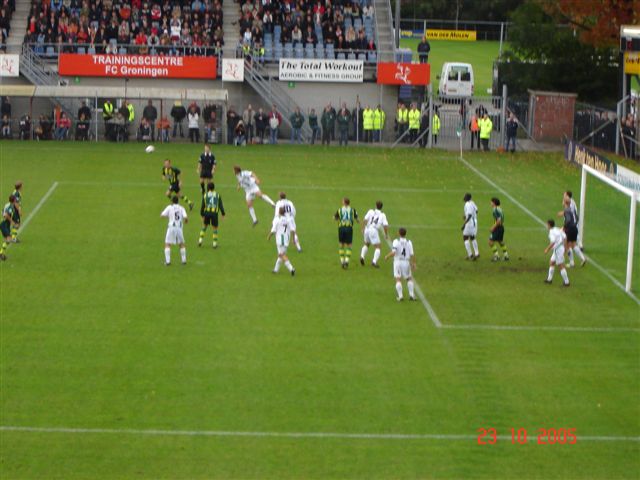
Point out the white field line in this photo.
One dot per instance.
(357, 436)
(542, 223)
(456, 227)
(160, 184)
(543, 328)
(38, 206)
(425, 303)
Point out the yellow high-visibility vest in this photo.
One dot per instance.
(414, 119)
(486, 125)
(367, 119)
(435, 124)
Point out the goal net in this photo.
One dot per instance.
(607, 226)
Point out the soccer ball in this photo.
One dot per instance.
(150, 149)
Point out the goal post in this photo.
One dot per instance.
(634, 199)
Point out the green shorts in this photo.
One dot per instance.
(497, 235)
(5, 228)
(345, 235)
(210, 219)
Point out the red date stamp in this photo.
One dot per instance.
(520, 436)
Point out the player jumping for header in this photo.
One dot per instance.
(249, 182)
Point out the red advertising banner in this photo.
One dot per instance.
(136, 66)
(392, 73)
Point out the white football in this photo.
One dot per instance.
(150, 149)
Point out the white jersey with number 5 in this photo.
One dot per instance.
(176, 214)
(403, 251)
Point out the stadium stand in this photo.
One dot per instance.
(276, 29)
(170, 27)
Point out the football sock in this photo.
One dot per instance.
(579, 252)
(565, 276)
(183, 255)
(467, 245)
(550, 276)
(347, 255)
(14, 233)
(570, 255)
(376, 256)
(364, 251)
(297, 241)
(399, 289)
(474, 242)
(252, 212)
(204, 229)
(341, 253)
(3, 248)
(288, 265)
(215, 236)
(504, 250)
(186, 199)
(167, 255)
(495, 250)
(202, 187)
(278, 263)
(410, 288)
(268, 200)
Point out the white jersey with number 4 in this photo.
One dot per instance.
(281, 227)
(176, 215)
(403, 251)
(375, 220)
(557, 237)
(471, 227)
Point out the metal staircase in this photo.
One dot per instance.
(39, 73)
(271, 92)
(384, 30)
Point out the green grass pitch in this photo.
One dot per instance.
(480, 54)
(129, 369)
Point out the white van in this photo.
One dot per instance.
(456, 80)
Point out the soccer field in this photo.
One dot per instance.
(115, 366)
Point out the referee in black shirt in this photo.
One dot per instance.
(206, 166)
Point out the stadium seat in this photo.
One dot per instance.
(288, 51)
(91, 50)
(122, 51)
(373, 57)
(341, 56)
(50, 52)
(309, 54)
(351, 56)
(82, 50)
(357, 24)
(362, 56)
(347, 23)
(299, 53)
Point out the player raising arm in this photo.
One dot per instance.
(404, 260)
(557, 239)
(177, 216)
(282, 227)
(249, 182)
(172, 175)
(289, 211)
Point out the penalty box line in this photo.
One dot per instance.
(544, 224)
(303, 435)
(37, 208)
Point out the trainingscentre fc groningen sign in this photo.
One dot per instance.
(347, 71)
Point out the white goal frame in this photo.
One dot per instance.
(635, 198)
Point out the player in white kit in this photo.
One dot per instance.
(470, 228)
(289, 211)
(282, 227)
(374, 221)
(403, 261)
(557, 239)
(177, 216)
(249, 182)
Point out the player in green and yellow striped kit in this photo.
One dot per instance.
(497, 231)
(17, 212)
(5, 225)
(211, 206)
(172, 175)
(345, 216)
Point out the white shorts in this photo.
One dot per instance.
(250, 193)
(470, 230)
(282, 249)
(557, 256)
(402, 269)
(372, 236)
(174, 236)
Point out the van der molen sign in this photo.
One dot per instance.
(293, 70)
